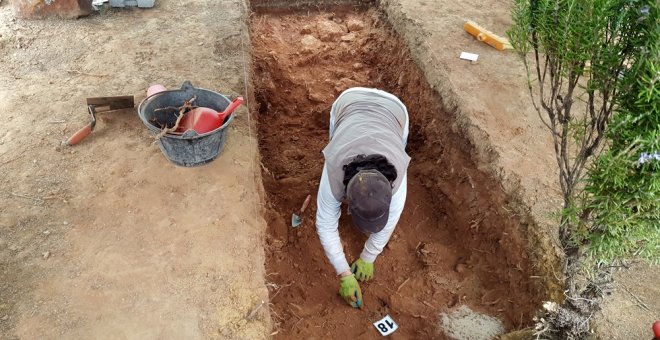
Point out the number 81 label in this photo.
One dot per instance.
(386, 325)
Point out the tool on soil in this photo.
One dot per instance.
(98, 105)
(487, 36)
(297, 220)
(204, 119)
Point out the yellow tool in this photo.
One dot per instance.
(487, 36)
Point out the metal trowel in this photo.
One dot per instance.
(296, 220)
(97, 105)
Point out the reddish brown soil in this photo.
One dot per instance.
(455, 244)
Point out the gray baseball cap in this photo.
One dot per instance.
(369, 194)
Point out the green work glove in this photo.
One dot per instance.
(349, 289)
(364, 271)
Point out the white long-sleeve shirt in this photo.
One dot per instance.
(362, 121)
(327, 224)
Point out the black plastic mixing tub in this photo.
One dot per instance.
(189, 149)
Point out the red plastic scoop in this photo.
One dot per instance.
(204, 119)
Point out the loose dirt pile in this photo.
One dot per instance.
(454, 245)
(465, 324)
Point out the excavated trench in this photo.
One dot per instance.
(455, 243)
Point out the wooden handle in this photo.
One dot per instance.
(79, 135)
(305, 204)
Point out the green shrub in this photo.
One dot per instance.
(586, 60)
(622, 201)
(594, 81)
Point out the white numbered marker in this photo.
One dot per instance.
(386, 325)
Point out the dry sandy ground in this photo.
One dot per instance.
(137, 248)
(110, 240)
(512, 142)
(634, 305)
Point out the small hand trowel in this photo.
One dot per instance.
(97, 105)
(297, 220)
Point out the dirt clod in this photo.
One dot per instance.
(307, 29)
(354, 24)
(329, 30)
(310, 44)
(459, 268)
(348, 37)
